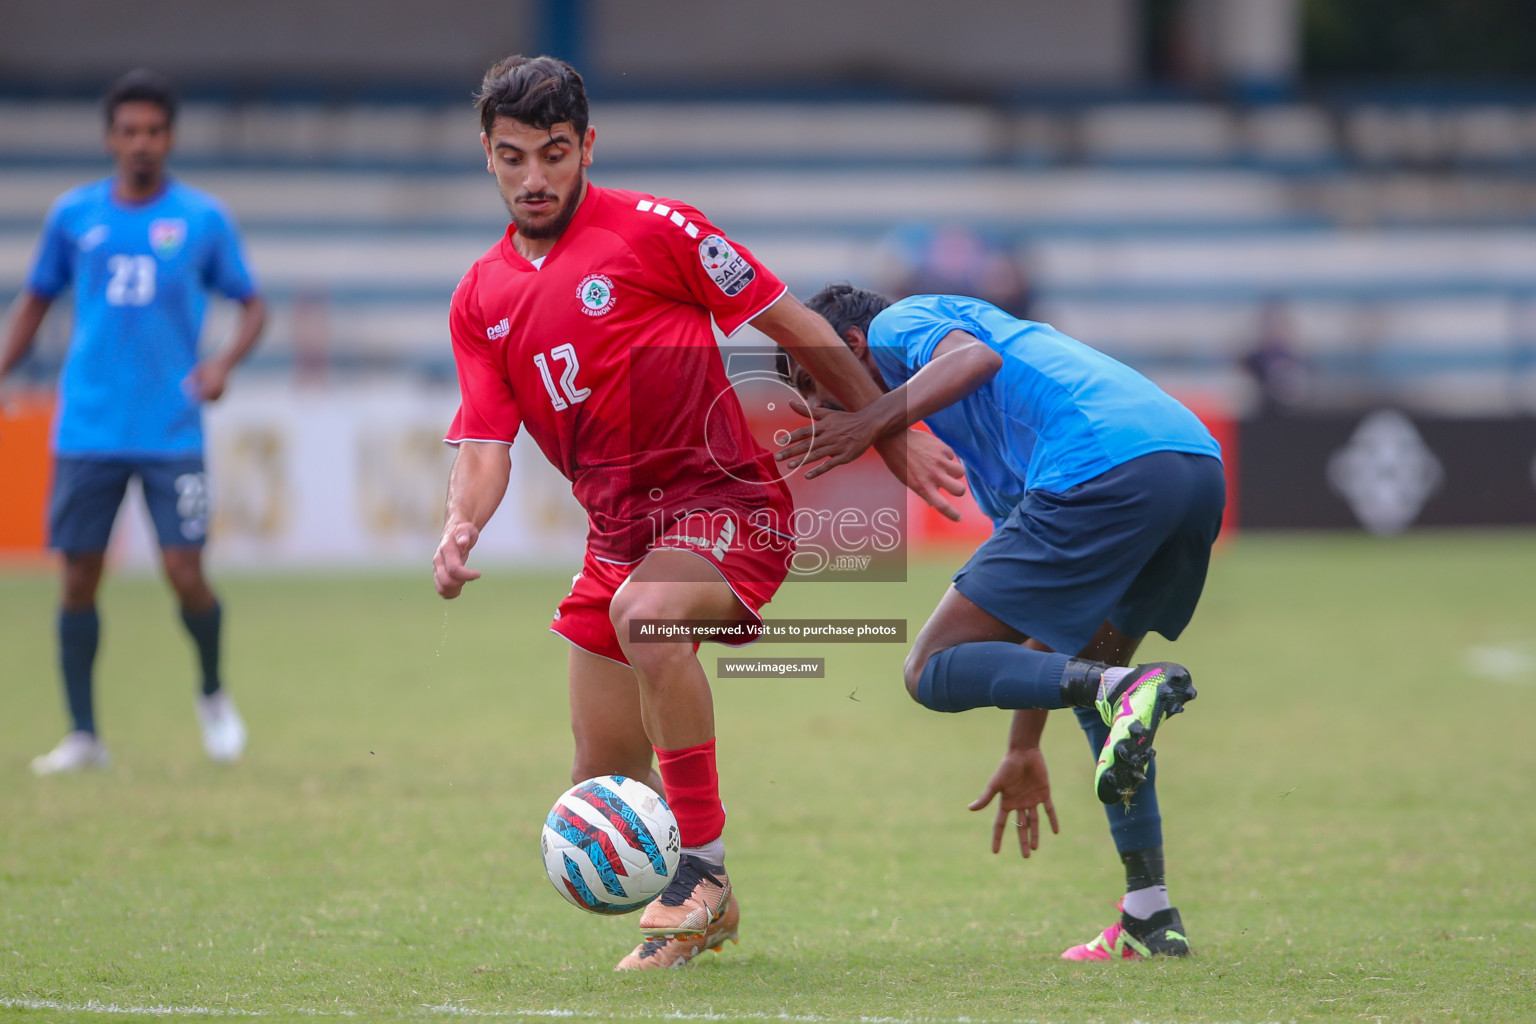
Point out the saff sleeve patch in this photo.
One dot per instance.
(724, 265)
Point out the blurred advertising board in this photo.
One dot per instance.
(24, 469)
(356, 475)
(1386, 471)
(353, 476)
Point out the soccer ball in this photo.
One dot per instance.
(610, 845)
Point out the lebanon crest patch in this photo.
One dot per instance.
(596, 294)
(724, 265)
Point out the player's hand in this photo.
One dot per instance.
(207, 380)
(1021, 785)
(834, 438)
(927, 466)
(448, 569)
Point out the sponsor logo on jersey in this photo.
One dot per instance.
(717, 546)
(498, 330)
(166, 237)
(727, 534)
(596, 294)
(94, 237)
(724, 265)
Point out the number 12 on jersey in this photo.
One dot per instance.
(572, 394)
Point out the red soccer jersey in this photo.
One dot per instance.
(605, 354)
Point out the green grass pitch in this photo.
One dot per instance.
(1348, 808)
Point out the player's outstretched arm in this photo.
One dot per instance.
(27, 314)
(960, 364)
(812, 343)
(209, 377)
(475, 488)
(920, 461)
(1021, 784)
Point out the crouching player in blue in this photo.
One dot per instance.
(1106, 495)
(141, 251)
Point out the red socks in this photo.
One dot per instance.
(693, 792)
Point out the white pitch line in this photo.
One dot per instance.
(1513, 662)
(451, 1010)
(791, 1018)
(95, 1006)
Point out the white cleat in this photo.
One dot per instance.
(223, 730)
(75, 752)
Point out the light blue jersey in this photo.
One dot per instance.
(141, 274)
(1057, 414)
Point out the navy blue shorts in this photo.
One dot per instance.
(87, 493)
(1131, 547)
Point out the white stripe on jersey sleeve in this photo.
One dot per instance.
(766, 307)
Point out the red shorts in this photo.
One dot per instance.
(754, 562)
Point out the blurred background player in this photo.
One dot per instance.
(943, 259)
(1279, 372)
(1106, 495)
(141, 250)
(588, 324)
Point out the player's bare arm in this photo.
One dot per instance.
(475, 489)
(812, 344)
(920, 461)
(27, 314)
(961, 363)
(1021, 784)
(209, 377)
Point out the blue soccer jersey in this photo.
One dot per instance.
(141, 274)
(1057, 414)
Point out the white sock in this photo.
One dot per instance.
(710, 853)
(1143, 903)
(1110, 680)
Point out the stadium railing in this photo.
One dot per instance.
(1159, 231)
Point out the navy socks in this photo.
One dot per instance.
(79, 635)
(204, 627)
(992, 675)
(1006, 675)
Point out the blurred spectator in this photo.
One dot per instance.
(1277, 369)
(923, 259)
(1368, 371)
(311, 336)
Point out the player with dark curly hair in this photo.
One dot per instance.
(588, 326)
(1106, 495)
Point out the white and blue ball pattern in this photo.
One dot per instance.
(610, 845)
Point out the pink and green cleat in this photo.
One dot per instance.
(1131, 938)
(1133, 710)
